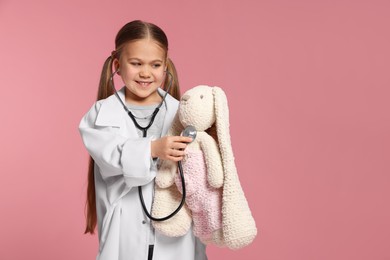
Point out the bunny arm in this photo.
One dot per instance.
(166, 174)
(213, 159)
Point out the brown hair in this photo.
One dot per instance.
(132, 31)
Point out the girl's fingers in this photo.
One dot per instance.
(176, 153)
(175, 146)
(182, 139)
(179, 146)
(179, 142)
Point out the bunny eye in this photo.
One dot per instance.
(201, 96)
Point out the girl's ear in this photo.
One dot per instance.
(117, 66)
(222, 125)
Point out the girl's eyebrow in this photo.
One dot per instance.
(137, 59)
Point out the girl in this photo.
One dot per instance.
(122, 159)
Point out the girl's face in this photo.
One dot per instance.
(141, 66)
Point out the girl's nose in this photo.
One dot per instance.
(144, 72)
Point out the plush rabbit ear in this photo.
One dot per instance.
(238, 225)
(222, 125)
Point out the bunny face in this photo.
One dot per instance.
(197, 108)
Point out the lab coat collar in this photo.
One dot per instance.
(111, 110)
(112, 113)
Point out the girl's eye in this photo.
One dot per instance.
(156, 65)
(135, 64)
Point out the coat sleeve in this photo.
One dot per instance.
(115, 154)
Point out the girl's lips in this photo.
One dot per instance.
(144, 83)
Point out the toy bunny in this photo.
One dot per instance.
(215, 201)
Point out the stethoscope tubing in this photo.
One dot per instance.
(144, 134)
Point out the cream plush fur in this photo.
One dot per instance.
(207, 110)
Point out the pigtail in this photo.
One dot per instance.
(105, 90)
(175, 89)
(90, 204)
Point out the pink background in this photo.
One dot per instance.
(308, 88)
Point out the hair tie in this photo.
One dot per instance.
(113, 54)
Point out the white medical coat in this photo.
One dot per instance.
(123, 162)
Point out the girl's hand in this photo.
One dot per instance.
(170, 147)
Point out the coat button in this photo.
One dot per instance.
(143, 222)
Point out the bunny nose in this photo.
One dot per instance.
(185, 97)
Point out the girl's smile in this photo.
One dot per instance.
(144, 83)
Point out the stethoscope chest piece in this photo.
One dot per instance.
(189, 131)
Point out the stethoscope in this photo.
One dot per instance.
(189, 131)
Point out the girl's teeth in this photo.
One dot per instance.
(144, 83)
